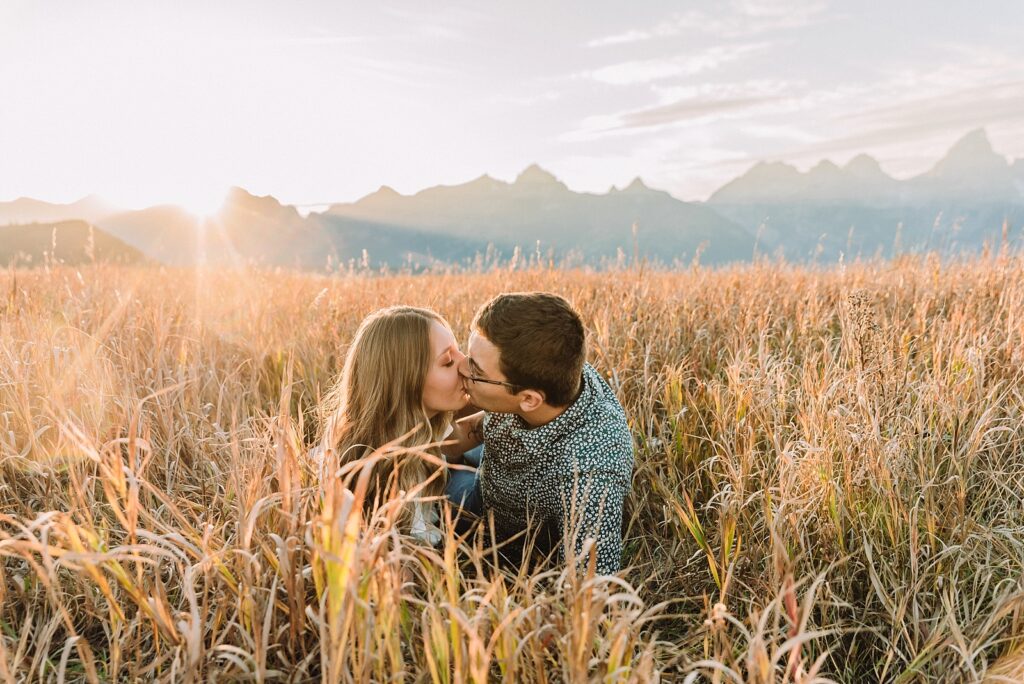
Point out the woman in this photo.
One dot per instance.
(400, 379)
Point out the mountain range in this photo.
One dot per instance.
(957, 205)
(538, 208)
(773, 208)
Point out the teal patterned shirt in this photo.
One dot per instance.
(570, 476)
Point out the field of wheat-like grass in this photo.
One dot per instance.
(829, 483)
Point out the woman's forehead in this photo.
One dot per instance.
(441, 338)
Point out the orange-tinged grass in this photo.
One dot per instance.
(829, 478)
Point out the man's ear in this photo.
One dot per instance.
(530, 400)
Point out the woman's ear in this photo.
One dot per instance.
(530, 400)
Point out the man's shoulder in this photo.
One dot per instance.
(601, 440)
(604, 415)
(599, 385)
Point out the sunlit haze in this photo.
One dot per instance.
(315, 102)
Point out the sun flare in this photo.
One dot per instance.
(203, 204)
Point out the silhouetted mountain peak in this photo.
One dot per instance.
(637, 186)
(30, 210)
(864, 166)
(237, 195)
(825, 166)
(969, 156)
(88, 200)
(765, 170)
(762, 180)
(486, 182)
(975, 142)
(240, 199)
(825, 172)
(535, 175)
(385, 194)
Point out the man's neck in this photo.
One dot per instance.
(546, 413)
(542, 415)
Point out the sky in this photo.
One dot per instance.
(325, 101)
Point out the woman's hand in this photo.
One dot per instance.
(468, 434)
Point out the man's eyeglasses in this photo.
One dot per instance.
(474, 378)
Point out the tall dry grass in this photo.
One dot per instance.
(829, 483)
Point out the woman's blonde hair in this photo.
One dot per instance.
(379, 399)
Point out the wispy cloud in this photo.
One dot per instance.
(797, 133)
(920, 118)
(888, 120)
(993, 101)
(907, 116)
(686, 104)
(685, 110)
(648, 70)
(739, 19)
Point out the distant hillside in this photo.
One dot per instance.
(68, 242)
(861, 180)
(27, 210)
(260, 230)
(858, 209)
(166, 234)
(538, 207)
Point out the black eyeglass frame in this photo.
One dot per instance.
(512, 388)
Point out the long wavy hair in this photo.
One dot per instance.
(379, 399)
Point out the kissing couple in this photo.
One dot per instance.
(547, 452)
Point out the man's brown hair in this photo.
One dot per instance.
(541, 342)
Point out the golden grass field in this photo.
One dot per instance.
(829, 483)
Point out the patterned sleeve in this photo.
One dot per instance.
(592, 509)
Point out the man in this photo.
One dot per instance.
(557, 451)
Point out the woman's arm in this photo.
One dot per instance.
(468, 433)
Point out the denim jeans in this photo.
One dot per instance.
(463, 488)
